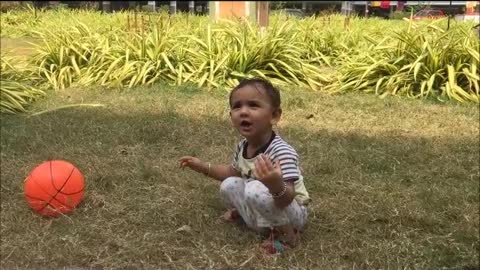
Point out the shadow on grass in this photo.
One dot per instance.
(383, 200)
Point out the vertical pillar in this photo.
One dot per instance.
(216, 9)
(304, 6)
(346, 7)
(106, 6)
(191, 6)
(173, 7)
(366, 8)
(152, 5)
(262, 13)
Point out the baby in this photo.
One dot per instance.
(263, 185)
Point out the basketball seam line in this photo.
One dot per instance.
(47, 202)
(41, 187)
(58, 190)
(40, 199)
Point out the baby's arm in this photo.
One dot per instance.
(289, 195)
(219, 172)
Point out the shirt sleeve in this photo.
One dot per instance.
(288, 160)
(290, 171)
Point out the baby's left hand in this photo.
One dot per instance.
(270, 175)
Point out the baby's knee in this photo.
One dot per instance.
(230, 184)
(255, 192)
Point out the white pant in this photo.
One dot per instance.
(255, 204)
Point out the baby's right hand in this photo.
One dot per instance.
(192, 162)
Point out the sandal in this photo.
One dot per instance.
(273, 245)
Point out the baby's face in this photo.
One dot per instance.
(251, 112)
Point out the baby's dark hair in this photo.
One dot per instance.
(269, 89)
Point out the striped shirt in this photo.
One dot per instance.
(276, 149)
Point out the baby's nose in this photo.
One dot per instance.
(244, 110)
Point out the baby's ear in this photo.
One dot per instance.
(277, 113)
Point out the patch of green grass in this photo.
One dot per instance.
(395, 182)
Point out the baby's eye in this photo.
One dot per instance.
(253, 104)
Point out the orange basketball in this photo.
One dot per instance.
(54, 187)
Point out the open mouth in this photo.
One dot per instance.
(245, 124)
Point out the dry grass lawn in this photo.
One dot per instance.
(395, 183)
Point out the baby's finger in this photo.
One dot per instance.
(278, 168)
(260, 167)
(277, 163)
(268, 163)
(185, 158)
(267, 166)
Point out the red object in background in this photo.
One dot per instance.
(385, 4)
